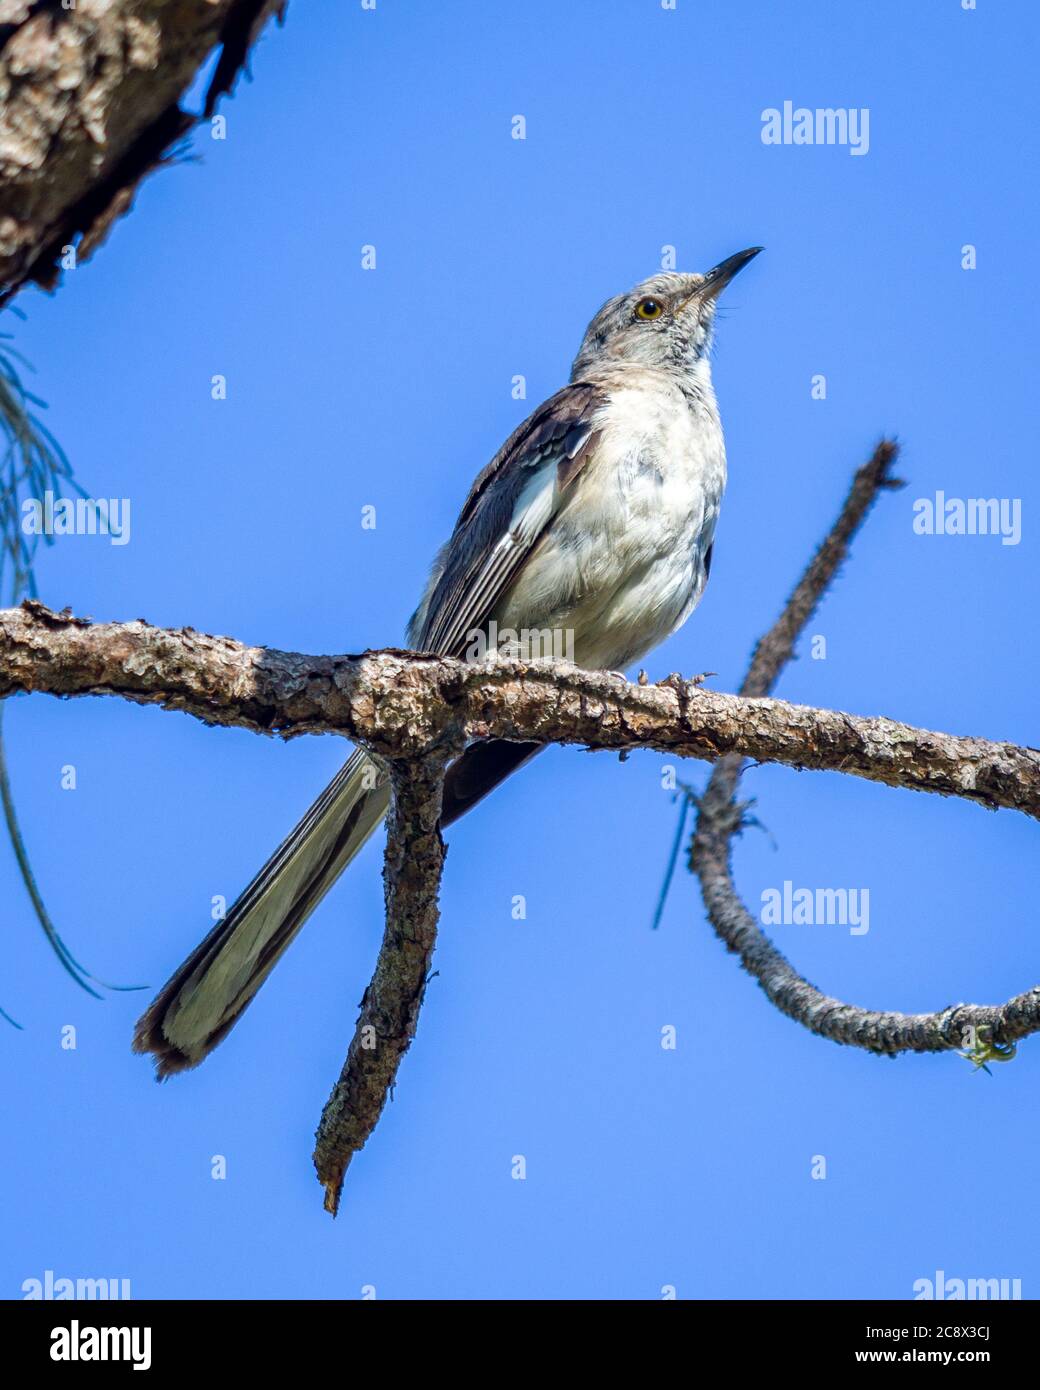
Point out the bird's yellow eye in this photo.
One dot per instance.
(649, 309)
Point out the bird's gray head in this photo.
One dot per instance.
(667, 321)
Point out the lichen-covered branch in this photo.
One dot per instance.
(972, 1026)
(416, 711)
(90, 104)
(391, 1004)
(399, 704)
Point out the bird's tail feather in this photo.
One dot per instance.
(204, 997)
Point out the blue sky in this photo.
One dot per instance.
(349, 388)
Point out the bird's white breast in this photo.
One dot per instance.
(622, 564)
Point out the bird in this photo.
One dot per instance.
(595, 519)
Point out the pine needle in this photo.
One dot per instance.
(32, 463)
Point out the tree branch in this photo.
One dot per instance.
(720, 817)
(399, 704)
(89, 106)
(391, 1003)
(416, 711)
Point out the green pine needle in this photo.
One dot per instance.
(32, 463)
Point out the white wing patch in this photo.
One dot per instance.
(531, 515)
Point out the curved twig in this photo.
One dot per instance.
(972, 1026)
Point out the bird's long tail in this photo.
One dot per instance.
(205, 996)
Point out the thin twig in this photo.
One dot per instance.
(720, 817)
(673, 859)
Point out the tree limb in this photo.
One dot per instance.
(416, 711)
(90, 105)
(391, 1003)
(400, 705)
(720, 817)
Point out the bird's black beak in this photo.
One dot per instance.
(719, 276)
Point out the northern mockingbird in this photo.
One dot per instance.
(596, 518)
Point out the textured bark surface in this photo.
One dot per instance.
(391, 1004)
(90, 104)
(971, 1026)
(402, 705)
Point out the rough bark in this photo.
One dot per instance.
(90, 104)
(391, 1003)
(401, 705)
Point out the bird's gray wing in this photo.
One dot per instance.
(510, 505)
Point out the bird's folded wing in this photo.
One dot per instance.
(510, 505)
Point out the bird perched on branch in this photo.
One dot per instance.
(596, 519)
